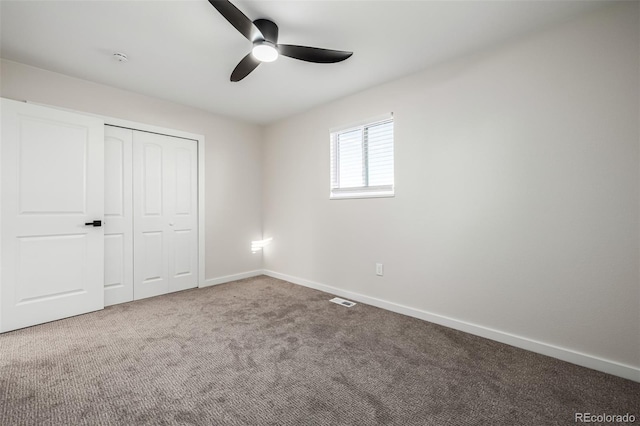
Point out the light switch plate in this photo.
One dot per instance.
(379, 269)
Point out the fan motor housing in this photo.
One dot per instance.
(268, 28)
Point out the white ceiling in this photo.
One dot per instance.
(184, 51)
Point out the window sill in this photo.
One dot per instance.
(356, 195)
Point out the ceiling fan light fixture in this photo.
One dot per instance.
(265, 51)
(263, 33)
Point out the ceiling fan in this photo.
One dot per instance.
(263, 33)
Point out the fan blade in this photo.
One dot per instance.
(313, 54)
(246, 65)
(238, 19)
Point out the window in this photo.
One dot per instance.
(362, 160)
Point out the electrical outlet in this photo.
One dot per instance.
(379, 269)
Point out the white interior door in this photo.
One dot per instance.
(165, 214)
(52, 183)
(182, 201)
(118, 215)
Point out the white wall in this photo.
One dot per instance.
(517, 200)
(233, 154)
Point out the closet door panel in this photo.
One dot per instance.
(183, 208)
(118, 225)
(150, 241)
(165, 214)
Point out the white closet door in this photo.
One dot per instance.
(182, 203)
(52, 184)
(118, 213)
(165, 214)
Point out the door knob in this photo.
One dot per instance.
(94, 223)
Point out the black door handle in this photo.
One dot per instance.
(94, 223)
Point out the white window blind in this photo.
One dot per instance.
(362, 160)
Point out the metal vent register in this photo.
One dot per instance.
(342, 302)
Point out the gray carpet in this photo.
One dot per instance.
(266, 352)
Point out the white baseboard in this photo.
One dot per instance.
(228, 278)
(564, 354)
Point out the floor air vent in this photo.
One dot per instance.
(342, 302)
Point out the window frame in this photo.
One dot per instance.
(365, 191)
